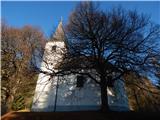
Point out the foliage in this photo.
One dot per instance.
(142, 94)
(18, 103)
(17, 51)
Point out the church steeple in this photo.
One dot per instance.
(59, 34)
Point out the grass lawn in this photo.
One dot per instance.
(85, 115)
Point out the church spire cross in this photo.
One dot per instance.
(61, 19)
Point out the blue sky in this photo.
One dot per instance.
(46, 15)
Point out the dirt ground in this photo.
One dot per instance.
(86, 115)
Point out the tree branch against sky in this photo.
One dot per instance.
(113, 42)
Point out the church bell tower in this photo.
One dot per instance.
(53, 56)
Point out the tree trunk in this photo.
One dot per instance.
(104, 96)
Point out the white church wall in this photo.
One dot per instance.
(71, 98)
(119, 100)
(41, 92)
(45, 85)
(51, 58)
(75, 98)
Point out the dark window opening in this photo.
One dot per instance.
(80, 81)
(110, 81)
(54, 48)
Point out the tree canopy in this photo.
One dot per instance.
(17, 51)
(113, 42)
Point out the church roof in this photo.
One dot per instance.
(59, 34)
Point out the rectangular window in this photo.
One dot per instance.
(110, 81)
(54, 48)
(80, 81)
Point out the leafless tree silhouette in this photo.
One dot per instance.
(112, 43)
(108, 45)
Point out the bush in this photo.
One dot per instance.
(18, 103)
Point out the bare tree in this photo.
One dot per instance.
(112, 42)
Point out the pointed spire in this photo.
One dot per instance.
(59, 34)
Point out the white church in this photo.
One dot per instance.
(72, 92)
